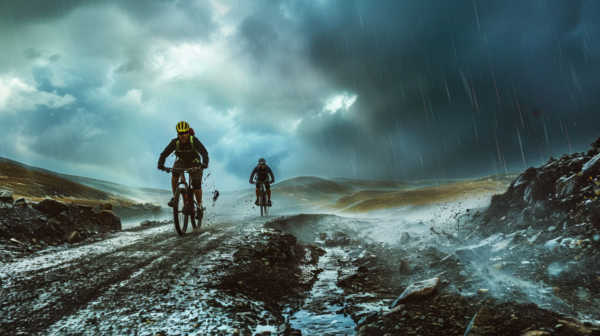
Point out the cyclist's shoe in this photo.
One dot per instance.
(269, 203)
(199, 213)
(171, 202)
(256, 203)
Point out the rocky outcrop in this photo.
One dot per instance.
(563, 190)
(54, 222)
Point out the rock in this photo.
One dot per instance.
(261, 248)
(106, 206)
(343, 281)
(109, 220)
(596, 144)
(591, 167)
(243, 253)
(418, 291)
(480, 322)
(567, 185)
(21, 202)
(6, 196)
(147, 223)
(75, 237)
(50, 207)
(536, 333)
(322, 236)
(404, 238)
(329, 242)
(370, 330)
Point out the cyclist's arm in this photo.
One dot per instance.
(253, 173)
(168, 151)
(270, 172)
(201, 150)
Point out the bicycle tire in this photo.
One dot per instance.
(263, 204)
(179, 216)
(193, 215)
(197, 224)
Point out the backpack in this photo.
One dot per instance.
(192, 133)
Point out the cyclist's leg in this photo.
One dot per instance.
(197, 184)
(175, 179)
(268, 189)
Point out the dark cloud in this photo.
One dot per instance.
(439, 88)
(434, 72)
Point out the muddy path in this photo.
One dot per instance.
(98, 286)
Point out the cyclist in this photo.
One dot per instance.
(186, 148)
(261, 172)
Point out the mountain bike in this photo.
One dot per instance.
(184, 207)
(262, 198)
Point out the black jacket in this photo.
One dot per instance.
(185, 152)
(261, 174)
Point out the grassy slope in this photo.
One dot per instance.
(38, 185)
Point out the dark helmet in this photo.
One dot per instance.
(262, 161)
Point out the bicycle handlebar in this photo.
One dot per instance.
(182, 170)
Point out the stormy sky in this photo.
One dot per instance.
(413, 89)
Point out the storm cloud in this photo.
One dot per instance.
(362, 89)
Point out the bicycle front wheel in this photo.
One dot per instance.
(180, 215)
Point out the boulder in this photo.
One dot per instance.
(21, 202)
(404, 238)
(567, 185)
(75, 237)
(591, 167)
(106, 206)
(418, 291)
(109, 220)
(6, 196)
(50, 207)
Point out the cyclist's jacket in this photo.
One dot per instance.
(261, 174)
(187, 152)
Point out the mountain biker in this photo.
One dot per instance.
(261, 171)
(186, 148)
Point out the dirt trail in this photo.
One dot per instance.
(118, 275)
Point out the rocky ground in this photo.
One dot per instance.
(527, 265)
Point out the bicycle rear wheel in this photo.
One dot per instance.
(179, 214)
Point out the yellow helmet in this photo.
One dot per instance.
(182, 126)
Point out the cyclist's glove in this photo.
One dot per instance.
(161, 167)
(204, 165)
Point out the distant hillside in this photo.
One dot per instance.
(37, 183)
(351, 195)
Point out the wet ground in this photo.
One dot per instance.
(242, 274)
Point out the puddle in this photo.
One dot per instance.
(318, 314)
